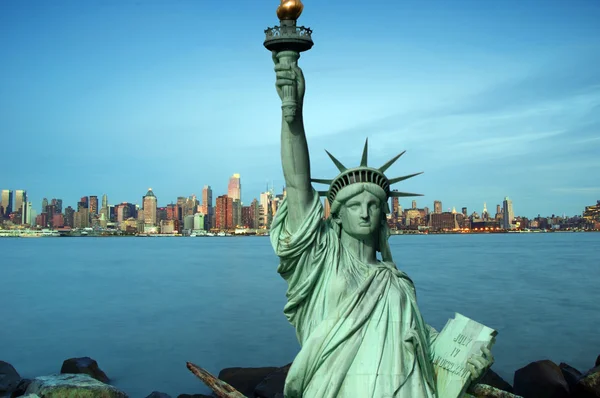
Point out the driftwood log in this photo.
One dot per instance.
(224, 390)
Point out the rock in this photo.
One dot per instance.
(589, 384)
(541, 379)
(273, 384)
(72, 385)
(9, 378)
(157, 394)
(492, 378)
(597, 361)
(21, 388)
(570, 374)
(194, 396)
(245, 379)
(84, 365)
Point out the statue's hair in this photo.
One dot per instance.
(351, 191)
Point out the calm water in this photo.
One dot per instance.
(143, 307)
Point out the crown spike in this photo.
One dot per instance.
(321, 181)
(390, 162)
(396, 194)
(363, 161)
(398, 179)
(338, 164)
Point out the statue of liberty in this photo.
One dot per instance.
(356, 316)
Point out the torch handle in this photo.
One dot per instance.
(289, 102)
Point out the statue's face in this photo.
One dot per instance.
(361, 215)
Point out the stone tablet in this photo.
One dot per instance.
(460, 339)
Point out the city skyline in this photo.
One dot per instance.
(489, 100)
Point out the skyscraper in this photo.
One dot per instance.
(508, 214)
(93, 205)
(414, 204)
(20, 199)
(234, 189)
(149, 206)
(44, 204)
(437, 207)
(7, 201)
(26, 213)
(104, 201)
(206, 207)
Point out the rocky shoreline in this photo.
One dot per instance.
(83, 378)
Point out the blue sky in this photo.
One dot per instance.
(490, 99)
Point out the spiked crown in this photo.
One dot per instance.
(363, 173)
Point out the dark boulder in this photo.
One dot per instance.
(21, 388)
(541, 379)
(9, 378)
(597, 361)
(84, 365)
(589, 384)
(273, 384)
(245, 379)
(493, 379)
(157, 394)
(570, 374)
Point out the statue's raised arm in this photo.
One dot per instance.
(295, 160)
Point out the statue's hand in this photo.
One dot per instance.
(289, 75)
(478, 364)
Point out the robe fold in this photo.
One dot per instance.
(359, 327)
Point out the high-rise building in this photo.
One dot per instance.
(414, 204)
(20, 200)
(464, 212)
(234, 189)
(69, 220)
(224, 212)
(85, 201)
(437, 207)
(206, 207)
(104, 201)
(93, 205)
(265, 210)
(255, 214)
(26, 213)
(395, 206)
(508, 214)
(149, 206)
(237, 212)
(7, 201)
(44, 204)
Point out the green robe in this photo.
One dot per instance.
(359, 327)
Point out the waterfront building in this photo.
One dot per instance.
(508, 214)
(58, 220)
(104, 201)
(464, 212)
(206, 206)
(7, 201)
(26, 213)
(20, 200)
(44, 204)
(69, 220)
(224, 213)
(437, 206)
(198, 222)
(592, 213)
(149, 208)
(172, 212)
(234, 188)
(93, 205)
(188, 223)
(265, 210)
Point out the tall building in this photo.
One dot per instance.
(414, 204)
(508, 214)
(69, 220)
(149, 206)
(26, 213)
(20, 200)
(206, 207)
(224, 212)
(464, 211)
(237, 212)
(234, 189)
(105, 201)
(7, 201)
(255, 214)
(44, 204)
(85, 202)
(265, 210)
(437, 207)
(93, 205)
